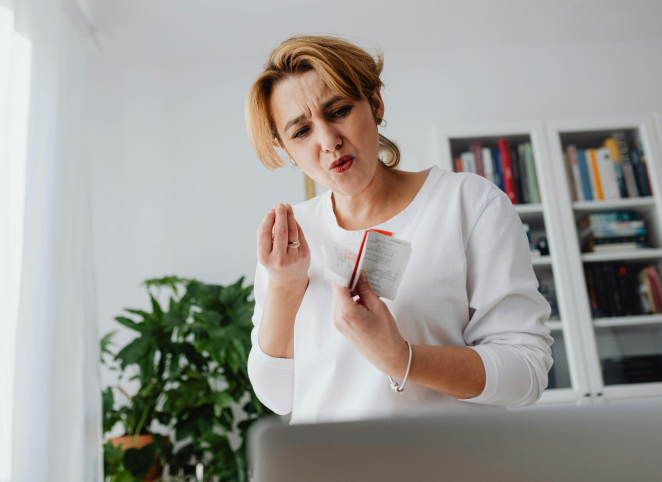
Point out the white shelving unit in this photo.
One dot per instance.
(581, 342)
(605, 338)
(570, 370)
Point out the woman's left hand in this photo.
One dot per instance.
(368, 324)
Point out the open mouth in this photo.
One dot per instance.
(342, 164)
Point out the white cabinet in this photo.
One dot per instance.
(583, 345)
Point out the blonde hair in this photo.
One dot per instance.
(348, 70)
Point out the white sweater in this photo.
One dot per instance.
(469, 282)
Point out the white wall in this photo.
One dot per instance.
(176, 188)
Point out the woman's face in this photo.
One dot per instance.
(334, 140)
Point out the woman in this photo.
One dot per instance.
(467, 324)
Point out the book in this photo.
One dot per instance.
(488, 164)
(517, 177)
(583, 170)
(572, 174)
(597, 182)
(648, 180)
(593, 298)
(656, 288)
(639, 172)
(616, 228)
(612, 145)
(507, 169)
(477, 151)
(458, 164)
(597, 219)
(522, 169)
(383, 258)
(607, 173)
(498, 172)
(622, 280)
(624, 152)
(468, 162)
(532, 178)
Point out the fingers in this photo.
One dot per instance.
(341, 296)
(280, 229)
(364, 291)
(292, 232)
(305, 250)
(264, 242)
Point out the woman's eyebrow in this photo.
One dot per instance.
(302, 117)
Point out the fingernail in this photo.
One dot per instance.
(280, 205)
(363, 276)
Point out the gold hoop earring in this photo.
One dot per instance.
(381, 122)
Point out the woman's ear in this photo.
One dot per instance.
(378, 104)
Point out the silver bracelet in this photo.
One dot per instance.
(399, 388)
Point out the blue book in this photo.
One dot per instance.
(498, 172)
(639, 173)
(583, 172)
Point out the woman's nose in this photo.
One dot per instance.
(330, 139)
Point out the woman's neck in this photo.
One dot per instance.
(389, 192)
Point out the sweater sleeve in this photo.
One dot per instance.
(507, 313)
(272, 378)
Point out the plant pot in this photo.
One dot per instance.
(127, 443)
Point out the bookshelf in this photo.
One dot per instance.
(606, 340)
(446, 143)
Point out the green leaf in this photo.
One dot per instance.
(139, 461)
(129, 323)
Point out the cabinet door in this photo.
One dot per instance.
(612, 242)
(568, 381)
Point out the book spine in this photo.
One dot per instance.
(576, 174)
(612, 145)
(624, 152)
(603, 171)
(648, 180)
(498, 171)
(583, 169)
(517, 177)
(532, 178)
(610, 167)
(468, 162)
(488, 163)
(612, 290)
(523, 174)
(596, 174)
(507, 166)
(458, 164)
(590, 285)
(478, 156)
(603, 302)
(622, 278)
(647, 302)
(656, 288)
(639, 173)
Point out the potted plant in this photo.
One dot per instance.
(191, 364)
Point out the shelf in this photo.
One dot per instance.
(528, 208)
(541, 260)
(610, 204)
(626, 321)
(555, 325)
(639, 254)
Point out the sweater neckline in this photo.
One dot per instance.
(393, 224)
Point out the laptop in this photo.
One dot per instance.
(584, 444)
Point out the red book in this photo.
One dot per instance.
(507, 166)
(458, 164)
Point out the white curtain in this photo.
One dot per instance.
(56, 432)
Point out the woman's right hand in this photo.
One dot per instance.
(287, 266)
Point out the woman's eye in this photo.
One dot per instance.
(342, 112)
(300, 133)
